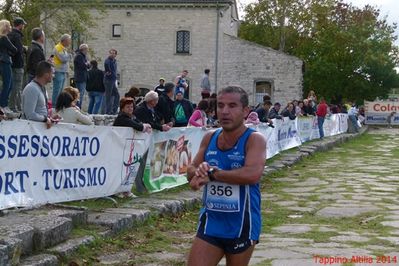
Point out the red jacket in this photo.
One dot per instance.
(322, 109)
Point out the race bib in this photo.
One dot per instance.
(222, 197)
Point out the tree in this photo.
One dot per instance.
(348, 52)
(55, 17)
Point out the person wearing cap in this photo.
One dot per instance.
(16, 36)
(61, 60)
(146, 112)
(160, 88)
(126, 118)
(183, 110)
(80, 67)
(6, 49)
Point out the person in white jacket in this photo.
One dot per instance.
(68, 112)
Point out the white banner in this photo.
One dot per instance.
(72, 162)
(381, 113)
(67, 162)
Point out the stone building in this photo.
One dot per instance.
(160, 38)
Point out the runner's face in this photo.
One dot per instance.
(230, 111)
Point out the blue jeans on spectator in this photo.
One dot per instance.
(58, 85)
(111, 97)
(320, 122)
(6, 73)
(96, 99)
(353, 119)
(81, 86)
(15, 103)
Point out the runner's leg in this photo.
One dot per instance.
(240, 259)
(204, 254)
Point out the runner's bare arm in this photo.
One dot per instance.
(199, 157)
(254, 165)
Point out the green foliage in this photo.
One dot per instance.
(348, 52)
(55, 17)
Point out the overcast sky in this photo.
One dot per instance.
(388, 8)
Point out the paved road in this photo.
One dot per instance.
(341, 206)
(346, 208)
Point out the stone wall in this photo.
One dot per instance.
(148, 44)
(244, 63)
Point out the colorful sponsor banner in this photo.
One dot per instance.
(381, 113)
(72, 162)
(381, 107)
(67, 162)
(169, 155)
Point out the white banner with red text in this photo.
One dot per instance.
(381, 113)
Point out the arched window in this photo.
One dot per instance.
(183, 42)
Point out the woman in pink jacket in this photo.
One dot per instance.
(198, 118)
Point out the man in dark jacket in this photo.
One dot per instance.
(17, 66)
(146, 112)
(166, 104)
(263, 112)
(35, 52)
(95, 88)
(81, 65)
(273, 113)
(110, 79)
(183, 110)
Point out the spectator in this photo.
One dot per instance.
(181, 84)
(198, 118)
(312, 98)
(205, 85)
(263, 112)
(165, 104)
(95, 88)
(289, 111)
(68, 112)
(252, 118)
(2, 114)
(74, 92)
(183, 110)
(135, 94)
(307, 108)
(321, 114)
(16, 36)
(160, 87)
(274, 112)
(210, 115)
(352, 115)
(146, 113)
(110, 79)
(34, 95)
(61, 60)
(80, 67)
(126, 118)
(6, 49)
(299, 109)
(35, 52)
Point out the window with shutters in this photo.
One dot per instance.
(183, 42)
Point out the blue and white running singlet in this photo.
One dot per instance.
(230, 211)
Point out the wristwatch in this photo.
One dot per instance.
(211, 173)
